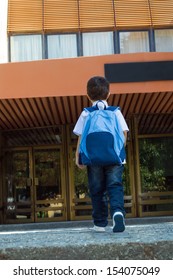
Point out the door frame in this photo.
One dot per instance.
(57, 204)
(33, 202)
(5, 194)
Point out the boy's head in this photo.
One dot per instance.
(98, 88)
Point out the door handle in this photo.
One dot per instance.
(36, 181)
(29, 182)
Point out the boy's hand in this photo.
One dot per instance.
(77, 155)
(78, 164)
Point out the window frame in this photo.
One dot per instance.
(136, 30)
(59, 34)
(25, 34)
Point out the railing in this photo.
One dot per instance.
(82, 208)
(155, 203)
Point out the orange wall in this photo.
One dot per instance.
(68, 77)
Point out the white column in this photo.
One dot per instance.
(3, 31)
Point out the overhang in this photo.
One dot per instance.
(67, 77)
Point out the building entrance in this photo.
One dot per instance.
(33, 183)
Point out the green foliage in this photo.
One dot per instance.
(80, 181)
(152, 156)
(126, 180)
(152, 181)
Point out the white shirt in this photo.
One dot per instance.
(81, 120)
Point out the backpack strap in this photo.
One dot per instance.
(113, 108)
(93, 108)
(90, 109)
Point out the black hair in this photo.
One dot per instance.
(98, 88)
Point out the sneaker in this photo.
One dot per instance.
(118, 222)
(98, 229)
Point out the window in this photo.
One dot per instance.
(134, 42)
(26, 47)
(156, 161)
(98, 43)
(164, 40)
(61, 46)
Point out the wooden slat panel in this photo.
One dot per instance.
(85, 102)
(20, 114)
(123, 103)
(29, 111)
(167, 102)
(66, 107)
(44, 105)
(127, 105)
(132, 13)
(115, 100)
(54, 110)
(60, 15)
(73, 109)
(79, 105)
(5, 122)
(155, 123)
(167, 123)
(11, 114)
(51, 116)
(152, 99)
(159, 105)
(132, 105)
(96, 14)
(42, 111)
(36, 112)
(138, 106)
(162, 12)
(24, 112)
(60, 110)
(25, 16)
(163, 121)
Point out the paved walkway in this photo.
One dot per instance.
(150, 238)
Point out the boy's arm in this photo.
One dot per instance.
(125, 137)
(77, 155)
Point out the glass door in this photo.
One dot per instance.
(34, 185)
(48, 182)
(18, 186)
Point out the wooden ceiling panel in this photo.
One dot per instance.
(167, 103)
(139, 105)
(29, 113)
(133, 103)
(155, 124)
(10, 114)
(42, 111)
(36, 114)
(73, 105)
(66, 109)
(148, 102)
(22, 116)
(53, 110)
(59, 110)
(159, 103)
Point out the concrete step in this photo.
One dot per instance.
(146, 238)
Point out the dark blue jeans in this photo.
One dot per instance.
(105, 182)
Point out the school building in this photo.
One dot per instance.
(48, 51)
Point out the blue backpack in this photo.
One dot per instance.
(102, 139)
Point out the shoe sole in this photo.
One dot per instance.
(118, 223)
(99, 229)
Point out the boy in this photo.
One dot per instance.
(103, 180)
